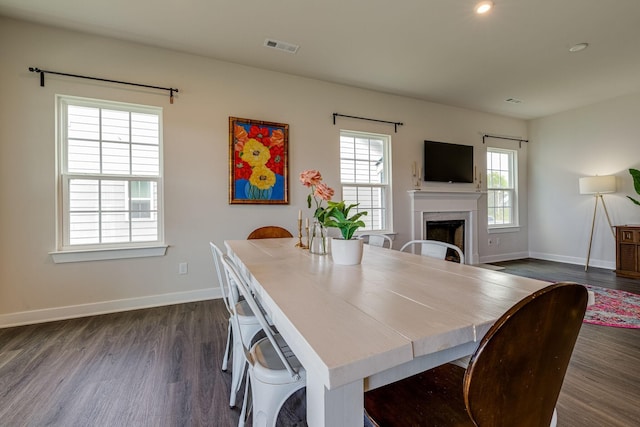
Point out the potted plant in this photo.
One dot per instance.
(635, 173)
(345, 250)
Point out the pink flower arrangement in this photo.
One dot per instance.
(319, 191)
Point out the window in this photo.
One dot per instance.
(365, 176)
(110, 174)
(501, 187)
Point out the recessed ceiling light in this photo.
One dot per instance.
(578, 47)
(484, 7)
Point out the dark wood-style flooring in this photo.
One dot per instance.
(161, 366)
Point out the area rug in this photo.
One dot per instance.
(613, 307)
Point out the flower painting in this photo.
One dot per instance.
(258, 162)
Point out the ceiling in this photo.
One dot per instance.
(435, 50)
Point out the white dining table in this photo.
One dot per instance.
(358, 327)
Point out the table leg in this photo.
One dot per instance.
(342, 406)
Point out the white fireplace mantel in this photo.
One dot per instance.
(463, 204)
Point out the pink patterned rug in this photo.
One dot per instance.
(615, 308)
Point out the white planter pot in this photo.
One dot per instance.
(346, 252)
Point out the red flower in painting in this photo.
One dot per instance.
(242, 169)
(277, 137)
(260, 134)
(276, 162)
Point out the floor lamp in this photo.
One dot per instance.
(597, 185)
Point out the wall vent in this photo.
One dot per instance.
(283, 46)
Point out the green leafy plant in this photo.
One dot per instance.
(337, 215)
(635, 173)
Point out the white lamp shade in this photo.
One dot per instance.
(598, 184)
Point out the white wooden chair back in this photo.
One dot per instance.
(229, 290)
(434, 248)
(243, 288)
(381, 240)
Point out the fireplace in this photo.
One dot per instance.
(449, 231)
(457, 214)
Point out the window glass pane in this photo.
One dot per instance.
(83, 195)
(145, 229)
(84, 228)
(113, 195)
(145, 128)
(115, 227)
(115, 125)
(140, 189)
(145, 160)
(83, 123)
(83, 156)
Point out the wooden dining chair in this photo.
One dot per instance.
(269, 232)
(242, 324)
(274, 372)
(381, 240)
(513, 379)
(434, 249)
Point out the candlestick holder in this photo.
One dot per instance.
(300, 244)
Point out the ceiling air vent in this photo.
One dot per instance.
(283, 46)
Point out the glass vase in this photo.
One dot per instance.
(318, 240)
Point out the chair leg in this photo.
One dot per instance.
(247, 397)
(225, 359)
(237, 371)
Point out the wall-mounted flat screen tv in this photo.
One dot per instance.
(445, 162)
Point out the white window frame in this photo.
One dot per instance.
(386, 187)
(512, 190)
(67, 252)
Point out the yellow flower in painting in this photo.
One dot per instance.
(262, 177)
(255, 153)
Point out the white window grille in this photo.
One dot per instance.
(365, 176)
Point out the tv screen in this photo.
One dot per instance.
(444, 162)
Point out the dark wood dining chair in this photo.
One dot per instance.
(513, 379)
(269, 232)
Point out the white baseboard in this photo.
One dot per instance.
(599, 263)
(548, 257)
(503, 257)
(104, 307)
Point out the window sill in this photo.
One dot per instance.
(60, 257)
(505, 229)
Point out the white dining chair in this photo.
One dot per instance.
(274, 372)
(434, 248)
(242, 325)
(381, 240)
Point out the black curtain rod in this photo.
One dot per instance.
(520, 140)
(42, 73)
(395, 124)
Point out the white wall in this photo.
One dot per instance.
(601, 139)
(32, 288)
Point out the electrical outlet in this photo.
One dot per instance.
(183, 268)
(497, 241)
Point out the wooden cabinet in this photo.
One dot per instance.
(628, 251)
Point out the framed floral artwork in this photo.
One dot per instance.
(258, 162)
